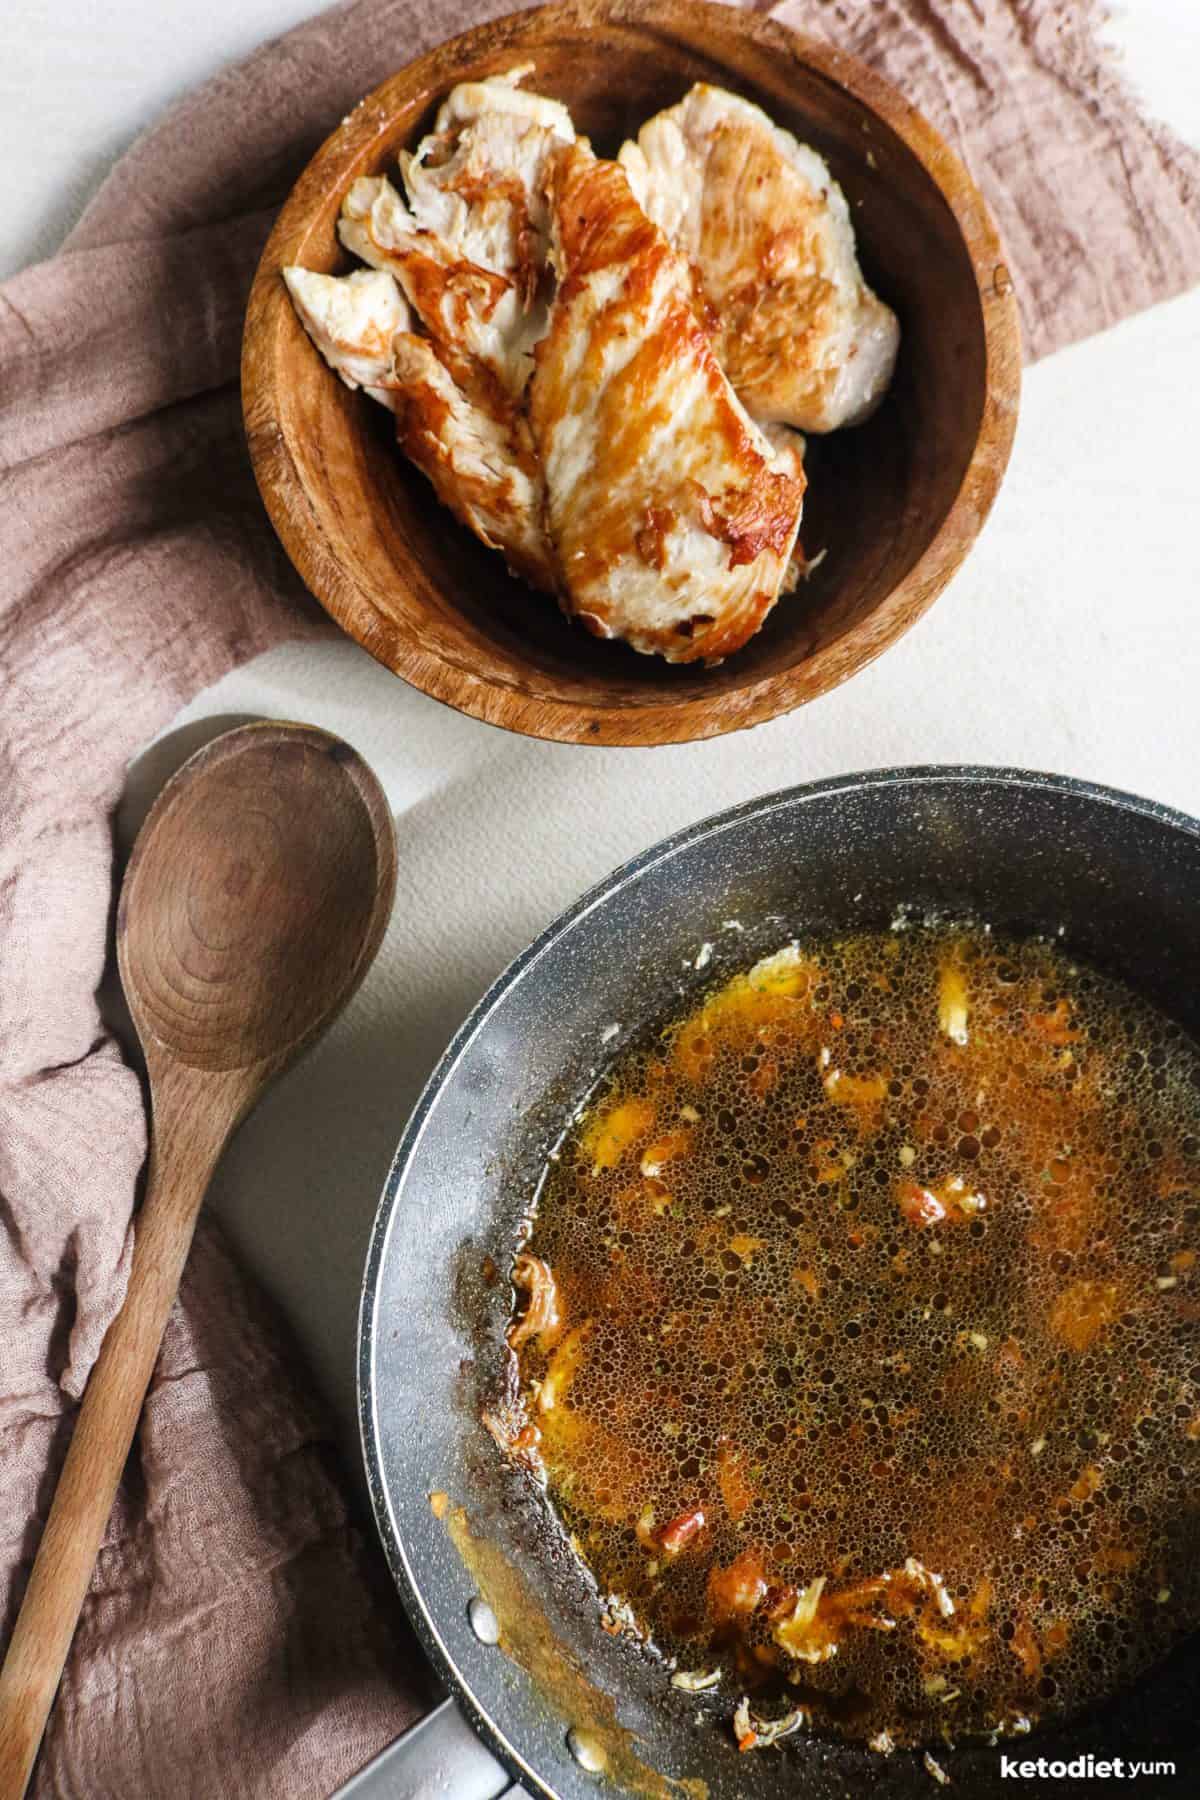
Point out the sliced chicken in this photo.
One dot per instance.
(478, 180)
(482, 467)
(479, 456)
(469, 250)
(476, 317)
(468, 259)
(627, 478)
(672, 516)
(352, 319)
(801, 336)
(504, 95)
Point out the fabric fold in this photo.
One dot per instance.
(95, 339)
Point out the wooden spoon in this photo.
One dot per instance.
(253, 905)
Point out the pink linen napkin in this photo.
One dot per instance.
(241, 1636)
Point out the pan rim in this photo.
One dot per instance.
(924, 775)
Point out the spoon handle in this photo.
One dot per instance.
(87, 1486)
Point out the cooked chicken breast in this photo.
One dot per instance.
(476, 317)
(797, 330)
(483, 467)
(478, 180)
(467, 259)
(672, 517)
(469, 250)
(352, 319)
(625, 476)
(787, 450)
(462, 419)
(481, 462)
(505, 95)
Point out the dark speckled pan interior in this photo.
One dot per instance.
(1118, 876)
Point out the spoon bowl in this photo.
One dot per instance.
(255, 898)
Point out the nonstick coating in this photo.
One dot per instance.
(1117, 875)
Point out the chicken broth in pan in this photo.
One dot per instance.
(855, 1338)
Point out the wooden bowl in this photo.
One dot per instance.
(896, 502)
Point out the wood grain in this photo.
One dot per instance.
(896, 503)
(254, 902)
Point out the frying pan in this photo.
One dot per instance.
(1117, 876)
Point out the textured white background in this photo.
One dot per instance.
(1070, 642)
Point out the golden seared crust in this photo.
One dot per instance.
(801, 336)
(596, 222)
(466, 255)
(761, 263)
(481, 462)
(473, 314)
(477, 180)
(672, 523)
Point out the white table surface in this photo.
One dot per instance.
(1070, 641)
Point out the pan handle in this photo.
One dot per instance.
(438, 1756)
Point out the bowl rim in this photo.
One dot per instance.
(662, 720)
